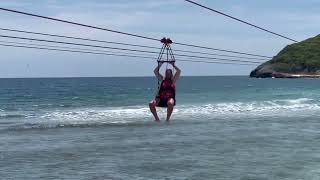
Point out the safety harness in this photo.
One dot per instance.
(165, 56)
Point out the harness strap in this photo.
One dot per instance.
(169, 57)
(158, 80)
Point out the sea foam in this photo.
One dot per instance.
(96, 116)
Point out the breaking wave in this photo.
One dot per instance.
(136, 115)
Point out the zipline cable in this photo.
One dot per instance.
(121, 55)
(222, 50)
(91, 50)
(125, 44)
(120, 32)
(72, 48)
(77, 38)
(242, 21)
(78, 24)
(122, 49)
(94, 50)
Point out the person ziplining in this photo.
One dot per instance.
(166, 94)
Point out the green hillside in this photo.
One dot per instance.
(298, 58)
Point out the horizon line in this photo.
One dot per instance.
(61, 77)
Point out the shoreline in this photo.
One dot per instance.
(286, 75)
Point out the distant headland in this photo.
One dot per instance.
(299, 60)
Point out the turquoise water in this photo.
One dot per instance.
(101, 128)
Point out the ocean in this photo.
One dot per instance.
(224, 128)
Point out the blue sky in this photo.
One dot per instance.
(177, 19)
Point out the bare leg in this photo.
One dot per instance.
(152, 106)
(170, 108)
